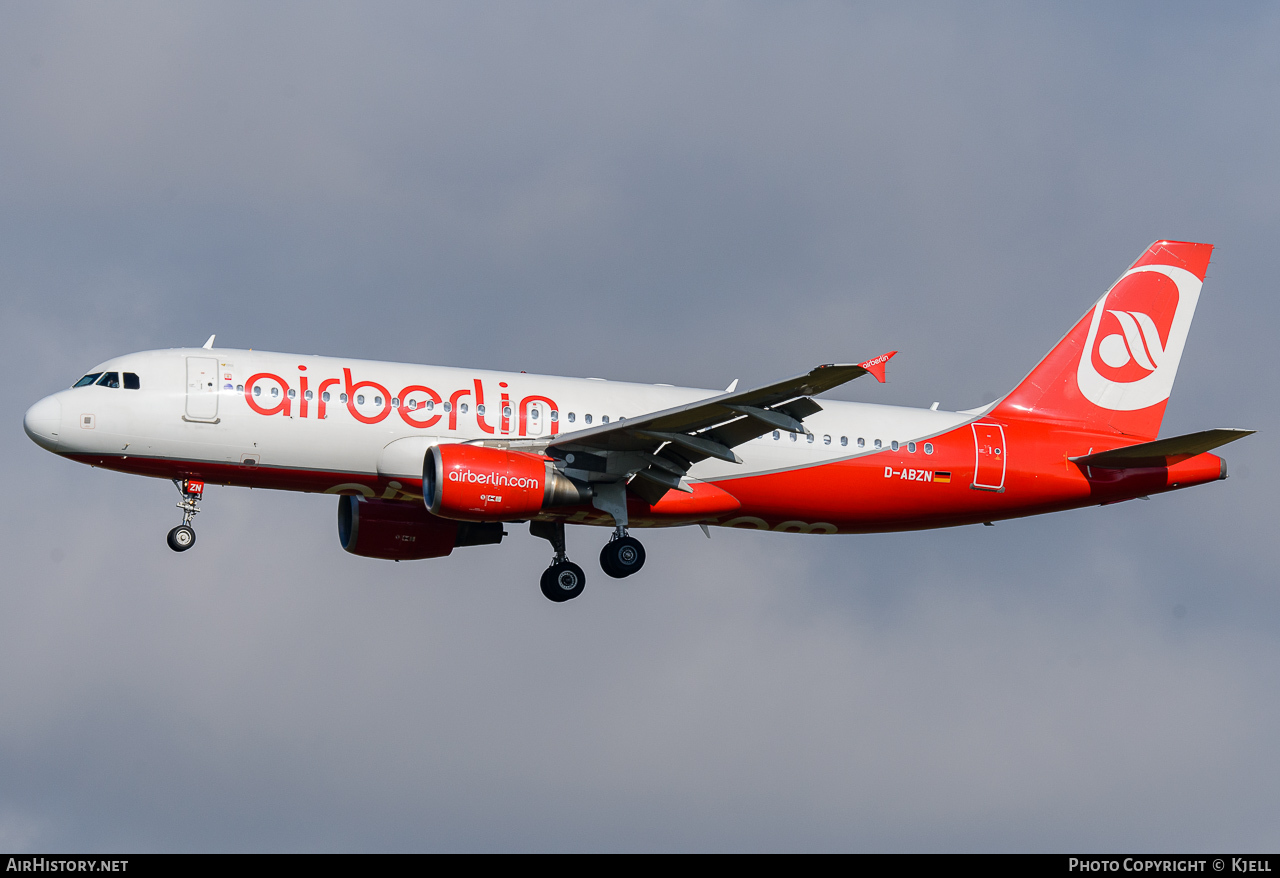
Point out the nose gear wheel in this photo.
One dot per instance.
(181, 538)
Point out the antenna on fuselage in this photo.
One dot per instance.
(208, 346)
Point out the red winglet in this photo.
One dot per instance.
(876, 365)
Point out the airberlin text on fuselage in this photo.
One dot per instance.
(312, 402)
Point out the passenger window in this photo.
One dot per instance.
(448, 406)
(395, 402)
(87, 380)
(377, 400)
(462, 407)
(479, 408)
(604, 419)
(572, 416)
(928, 448)
(342, 397)
(292, 393)
(308, 394)
(776, 435)
(533, 413)
(131, 381)
(506, 412)
(555, 416)
(826, 440)
(109, 379)
(911, 447)
(808, 437)
(413, 404)
(257, 391)
(275, 391)
(239, 388)
(793, 437)
(360, 399)
(894, 445)
(844, 440)
(431, 403)
(878, 443)
(586, 419)
(325, 396)
(862, 443)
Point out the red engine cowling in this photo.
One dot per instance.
(405, 531)
(480, 483)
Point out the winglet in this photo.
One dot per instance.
(208, 346)
(876, 365)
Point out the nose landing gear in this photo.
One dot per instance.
(183, 536)
(563, 580)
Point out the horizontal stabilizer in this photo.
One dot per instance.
(1162, 452)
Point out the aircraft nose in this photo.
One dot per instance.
(43, 422)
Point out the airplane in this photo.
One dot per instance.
(427, 459)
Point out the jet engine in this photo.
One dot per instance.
(405, 531)
(481, 483)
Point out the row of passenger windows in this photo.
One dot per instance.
(413, 404)
(571, 417)
(110, 379)
(862, 443)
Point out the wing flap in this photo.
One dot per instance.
(659, 448)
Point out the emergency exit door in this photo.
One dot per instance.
(988, 444)
(202, 389)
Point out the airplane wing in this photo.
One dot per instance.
(1162, 452)
(655, 451)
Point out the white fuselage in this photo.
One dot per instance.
(200, 406)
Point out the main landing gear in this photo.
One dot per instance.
(183, 536)
(622, 555)
(563, 580)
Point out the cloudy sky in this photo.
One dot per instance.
(662, 192)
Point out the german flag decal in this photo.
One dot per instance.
(940, 476)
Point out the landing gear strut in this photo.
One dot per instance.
(623, 554)
(183, 536)
(563, 580)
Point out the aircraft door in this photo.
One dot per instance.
(202, 388)
(989, 470)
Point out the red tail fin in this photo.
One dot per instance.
(1114, 370)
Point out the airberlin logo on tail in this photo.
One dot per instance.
(1136, 337)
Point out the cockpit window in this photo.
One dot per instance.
(87, 380)
(109, 379)
(131, 381)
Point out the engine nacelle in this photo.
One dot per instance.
(481, 483)
(405, 531)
